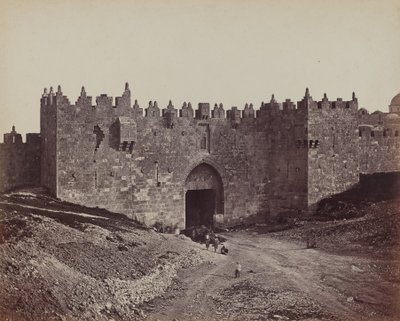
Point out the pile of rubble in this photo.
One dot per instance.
(248, 300)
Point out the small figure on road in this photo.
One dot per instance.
(238, 270)
(216, 243)
(224, 250)
(207, 238)
(311, 240)
(212, 236)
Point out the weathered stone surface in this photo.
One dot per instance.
(282, 158)
(19, 162)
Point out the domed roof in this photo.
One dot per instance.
(363, 111)
(392, 116)
(395, 100)
(378, 128)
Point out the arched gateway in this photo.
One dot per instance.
(204, 196)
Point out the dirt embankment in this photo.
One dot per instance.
(59, 261)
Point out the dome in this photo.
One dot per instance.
(363, 111)
(395, 100)
(392, 116)
(378, 128)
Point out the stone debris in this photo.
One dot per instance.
(248, 300)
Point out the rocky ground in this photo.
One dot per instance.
(60, 261)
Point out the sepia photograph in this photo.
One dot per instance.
(200, 160)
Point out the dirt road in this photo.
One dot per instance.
(280, 280)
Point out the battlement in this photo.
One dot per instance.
(14, 138)
(123, 107)
(19, 161)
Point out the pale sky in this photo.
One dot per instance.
(196, 50)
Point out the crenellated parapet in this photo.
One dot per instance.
(152, 110)
(104, 101)
(52, 99)
(272, 110)
(19, 161)
(288, 106)
(203, 111)
(12, 137)
(83, 99)
(234, 116)
(218, 111)
(248, 111)
(186, 111)
(137, 111)
(273, 106)
(125, 100)
(170, 114)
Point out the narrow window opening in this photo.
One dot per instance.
(203, 143)
(372, 134)
(99, 136)
(396, 133)
(385, 133)
(95, 178)
(359, 133)
(316, 143)
(310, 145)
(132, 144)
(157, 180)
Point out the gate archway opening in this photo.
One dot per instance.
(204, 196)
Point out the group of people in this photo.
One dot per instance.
(212, 239)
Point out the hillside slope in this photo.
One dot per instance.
(59, 261)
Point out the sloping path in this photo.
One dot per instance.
(344, 287)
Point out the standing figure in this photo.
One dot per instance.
(238, 270)
(207, 238)
(216, 243)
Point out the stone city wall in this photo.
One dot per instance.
(280, 159)
(116, 157)
(19, 162)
